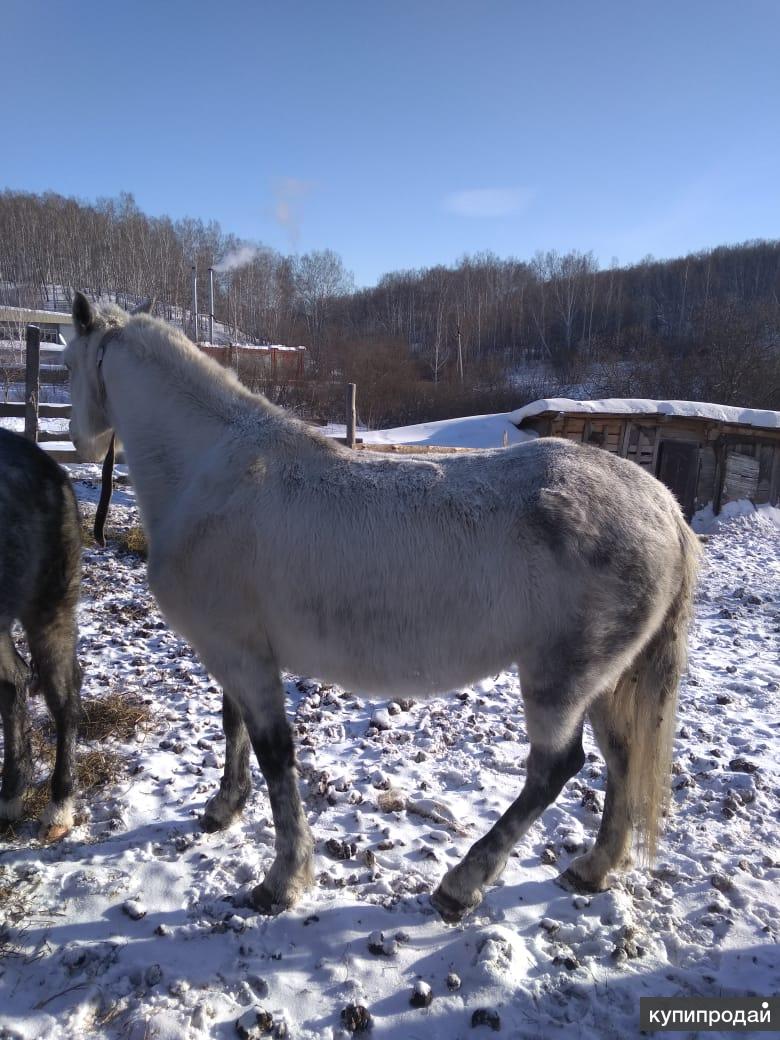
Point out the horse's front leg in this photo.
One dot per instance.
(17, 760)
(226, 805)
(250, 677)
(292, 872)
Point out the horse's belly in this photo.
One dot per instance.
(388, 667)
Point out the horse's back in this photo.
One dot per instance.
(444, 568)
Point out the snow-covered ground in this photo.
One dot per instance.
(472, 431)
(137, 925)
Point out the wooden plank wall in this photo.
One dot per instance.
(708, 466)
(603, 433)
(741, 477)
(641, 447)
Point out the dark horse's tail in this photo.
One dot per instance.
(645, 702)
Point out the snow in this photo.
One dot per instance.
(637, 405)
(137, 925)
(474, 431)
(280, 347)
(704, 520)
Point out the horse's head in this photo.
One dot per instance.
(90, 426)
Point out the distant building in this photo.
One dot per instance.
(283, 362)
(56, 327)
(705, 453)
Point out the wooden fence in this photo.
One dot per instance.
(32, 410)
(57, 443)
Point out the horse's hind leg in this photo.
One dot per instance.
(234, 788)
(17, 761)
(53, 650)
(611, 850)
(556, 755)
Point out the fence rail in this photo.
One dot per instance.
(58, 445)
(31, 409)
(17, 410)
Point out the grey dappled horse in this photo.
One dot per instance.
(40, 571)
(272, 547)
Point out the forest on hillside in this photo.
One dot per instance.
(485, 334)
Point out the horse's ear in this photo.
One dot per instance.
(145, 307)
(83, 314)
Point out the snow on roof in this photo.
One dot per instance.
(641, 406)
(268, 347)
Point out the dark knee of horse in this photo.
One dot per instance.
(66, 711)
(7, 697)
(275, 750)
(554, 768)
(61, 690)
(13, 690)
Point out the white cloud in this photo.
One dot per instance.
(488, 202)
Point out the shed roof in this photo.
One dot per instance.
(760, 418)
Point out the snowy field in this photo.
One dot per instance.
(137, 925)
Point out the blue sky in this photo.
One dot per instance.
(406, 134)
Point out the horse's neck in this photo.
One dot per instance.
(163, 430)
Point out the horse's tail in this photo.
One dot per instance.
(645, 702)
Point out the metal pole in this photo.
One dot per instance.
(351, 392)
(32, 382)
(194, 304)
(211, 305)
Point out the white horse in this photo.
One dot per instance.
(271, 547)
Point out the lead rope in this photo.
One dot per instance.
(107, 474)
(106, 487)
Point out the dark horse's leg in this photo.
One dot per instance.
(249, 675)
(53, 650)
(17, 762)
(556, 755)
(291, 872)
(612, 849)
(234, 788)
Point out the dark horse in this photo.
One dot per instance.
(40, 572)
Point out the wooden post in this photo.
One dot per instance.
(211, 305)
(32, 382)
(194, 304)
(351, 415)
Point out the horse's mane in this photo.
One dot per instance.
(215, 388)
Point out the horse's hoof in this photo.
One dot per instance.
(210, 824)
(55, 832)
(450, 910)
(219, 814)
(56, 821)
(572, 882)
(264, 901)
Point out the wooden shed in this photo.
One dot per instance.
(706, 453)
